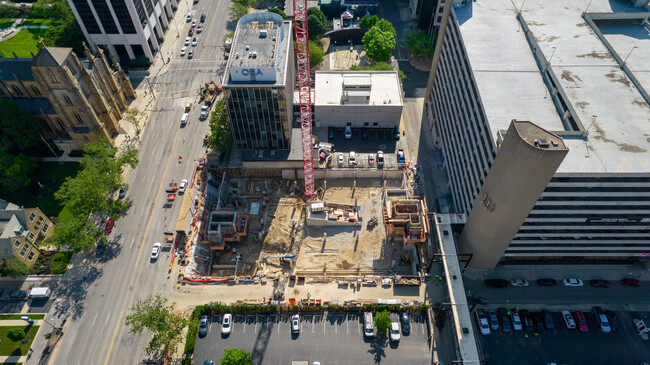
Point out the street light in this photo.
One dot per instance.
(628, 55)
(592, 123)
(548, 63)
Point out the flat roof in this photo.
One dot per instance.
(384, 86)
(511, 86)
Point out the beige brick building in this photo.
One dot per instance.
(76, 100)
(20, 231)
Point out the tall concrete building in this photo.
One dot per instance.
(258, 83)
(76, 100)
(576, 74)
(129, 28)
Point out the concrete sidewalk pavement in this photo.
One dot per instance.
(559, 272)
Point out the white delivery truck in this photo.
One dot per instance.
(40, 293)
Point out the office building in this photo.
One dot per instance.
(76, 101)
(128, 28)
(577, 75)
(361, 99)
(258, 83)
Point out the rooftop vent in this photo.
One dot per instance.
(248, 47)
(542, 143)
(255, 54)
(263, 33)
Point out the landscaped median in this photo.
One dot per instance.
(266, 309)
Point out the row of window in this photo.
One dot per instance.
(17, 91)
(24, 250)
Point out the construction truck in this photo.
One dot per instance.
(227, 45)
(401, 158)
(209, 92)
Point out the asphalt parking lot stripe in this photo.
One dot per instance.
(347, 330)
(313, 324)
(324, 324)
(210, 328)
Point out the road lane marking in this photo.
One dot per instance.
(324, 324)
(95, 318)
(313, 324)
(117, 325)
(216, 10)
(153, 204)
(132, 242)
(347, 330)
(105, 323)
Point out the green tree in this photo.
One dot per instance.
(379, 41)
(237, 11)
(279, 12)
(220, 136)
(157, 315)
(236, 357)
(19, 130)
(382, 322)
(316, 53)
(420, 44)
(64, 30)
(14, 174)
(78, 234)
(316, 22)
(15, 267)
(16, 334)
(378, 66)
(368, 22)
(133, 116)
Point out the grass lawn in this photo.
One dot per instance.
(17, 316)
(9, 347)
(60, 261)
(6, 22)
(22, 43)
(44, 22)
(51, 175)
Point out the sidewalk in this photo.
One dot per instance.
(559, 272)
(21, 323)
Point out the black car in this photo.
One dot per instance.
(406, 325)
(538, 322)
(101, 246)
(396, 134)
(496, 283)
(526, 320)
(546, 282)
(613, 320)
(202, 18)
(599, 283)
(597, 311)
(548, 320)
(17, 294)
(364, 135)
(504, 318)
(330, 134)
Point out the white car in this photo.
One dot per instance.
(190, 54)
(226, 324)
(187, 41)
(568, 320)
(519, 282)
(394, 331)
(516, 321)
(194, 23)
(603, 324)
(189, 17)
(482, 321)
(295, 323)
(572, 282)
(348, 132)
(182, 186)
(352, 159)
(199, 28)
(341, 159)
(155, 251)
(183, 51)
(195, 41)
(204, 112)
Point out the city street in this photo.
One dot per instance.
(96, 333)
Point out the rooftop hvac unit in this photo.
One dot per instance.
(263, 33)
(255, 54)
(542, 143)
(248, 47)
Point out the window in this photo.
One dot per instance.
(60, 123)
(105, 16)
(78, 118)
(45, 227)
(32, 216)
(24, 250)
(67, 99)
(87, 17)
(31, 236)
(36, 91)
(2, 93)
(375, 124)
(53, 77)
(16, 243)
(17, 91)
(31, 256)
(86, 139)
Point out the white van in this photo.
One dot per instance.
(40, 293)
(368, 325)
(184, 118)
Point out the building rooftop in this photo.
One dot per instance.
(611, 119)
(380, 87)
(259, 50)
(12, 68)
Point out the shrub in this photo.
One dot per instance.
(192, 331)
(16, 334)
(60, 261)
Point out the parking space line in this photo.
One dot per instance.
(324, 324)
(347, 330)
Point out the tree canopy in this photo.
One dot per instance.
(14, 174)
(237, 11)
(157, 316)
(64, 31)
(379, 41)
(236, 357)
(420, 44)
(220, 137)
(279, 12)
(19, 130)
(316, 22)
(368, 22)
(15, 267)
(382, 321)
(316, 53)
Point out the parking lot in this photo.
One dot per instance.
(331, 339)
(375, 140)
(568, 346)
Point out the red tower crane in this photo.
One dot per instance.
(304, 92)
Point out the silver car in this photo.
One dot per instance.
(295, 323)
(226, 324)
(203, 326)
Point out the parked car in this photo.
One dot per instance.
(348, 132)
(394, 332)
(482, 322)
(546, 282)
(352, 159)
(371, 159)
(101, 245)
(581, 321)
(203, 326)
(406, 324)
(109, 226)
(496, 283)
(527, 320)
(380, 159)
(538, 322)
(331, 134)
(17, 294)
(516, 320)
(182, 186)
(519, 282)
(155, 251)
(603, 323)
(613, 320)
(341, 159)
(122, 193)
(599, 283)
(572, 282)
(494, 320)
(226, 324)
(295, 323)
(630, 282)
(548, 320)
(396, 134)
(569, 322)
(504, 319)
(204, 112)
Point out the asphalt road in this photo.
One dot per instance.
(124, 273)
(333, 339)
(564, 346)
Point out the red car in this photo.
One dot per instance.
(109, 226)
(631, 282)
(190, 32)
(581, 321)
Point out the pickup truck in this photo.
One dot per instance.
(401, 158)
